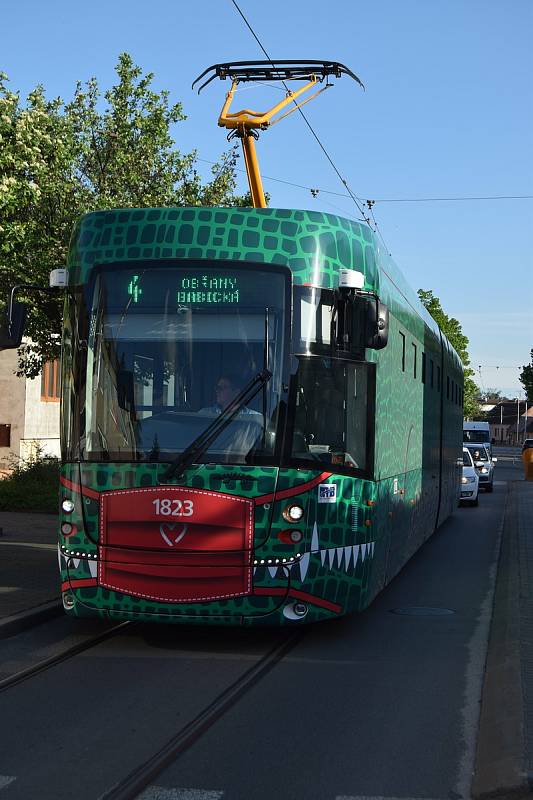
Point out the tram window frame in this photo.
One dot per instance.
(431, 372)
(423, 367)
(86, 297)
(438, 378)
(448, 387)
(288, 460)
(316, 346)
(415, 356)
(402, 335)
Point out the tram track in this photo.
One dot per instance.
(142, 776)
(64, 655)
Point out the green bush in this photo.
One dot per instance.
(33, 485)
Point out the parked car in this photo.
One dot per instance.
(469, 481)
(484, 465)
(527, 444)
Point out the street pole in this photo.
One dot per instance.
(517, 418)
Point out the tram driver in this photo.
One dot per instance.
(227, 387)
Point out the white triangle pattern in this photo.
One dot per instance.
(304, 565)
(315, 547)
(337, 557)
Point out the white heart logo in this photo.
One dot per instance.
(171, 528)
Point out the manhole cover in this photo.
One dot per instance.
(423, 611)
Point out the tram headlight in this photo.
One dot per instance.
(293, 512)
(67, 506)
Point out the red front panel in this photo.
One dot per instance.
(176, 544)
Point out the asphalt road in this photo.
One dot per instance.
(379, 705)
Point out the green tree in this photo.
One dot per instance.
(526, 379)
(59, 160)
(451, 328)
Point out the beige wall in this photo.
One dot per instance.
(12, 404)
(41, 424)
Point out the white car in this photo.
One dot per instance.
(484, 465)
(469, 481)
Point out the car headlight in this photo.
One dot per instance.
(466, 479)
(483, 470)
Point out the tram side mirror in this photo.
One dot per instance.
(377, 324)
(12, 328)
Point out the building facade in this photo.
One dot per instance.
(29, 412)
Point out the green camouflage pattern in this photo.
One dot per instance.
(351, 548)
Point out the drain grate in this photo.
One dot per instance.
(423, 611)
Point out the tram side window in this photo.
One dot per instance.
(414, 360)
(438, 379)
(331, 411)
(402, 344)
(431, 372)
(423, 367)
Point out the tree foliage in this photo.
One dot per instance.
(59, 160)
(526, 379)
(451, 328)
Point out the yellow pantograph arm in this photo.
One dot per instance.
(248, 119)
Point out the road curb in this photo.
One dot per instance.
(499, 767)
(16, 623)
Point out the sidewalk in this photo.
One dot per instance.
(29, 577)
(504, 761)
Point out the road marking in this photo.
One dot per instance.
(30, 544)
(373, 797)
(8, 589)
(5, 780)
(160, 793)
(500, 483)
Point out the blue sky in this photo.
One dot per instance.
(447, 112)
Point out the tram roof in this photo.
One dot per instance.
(315, 245)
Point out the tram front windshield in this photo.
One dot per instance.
(168, 349)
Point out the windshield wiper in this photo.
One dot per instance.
(207, 437)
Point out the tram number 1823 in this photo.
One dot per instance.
(173, 508)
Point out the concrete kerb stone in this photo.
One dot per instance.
(9, 626)
(500, 767)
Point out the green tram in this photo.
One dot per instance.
(260, 421)
(244, 441)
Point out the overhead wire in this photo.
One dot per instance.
(316, 190)
(357, 200)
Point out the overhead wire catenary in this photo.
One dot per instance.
(316, 190)
(357, 200)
